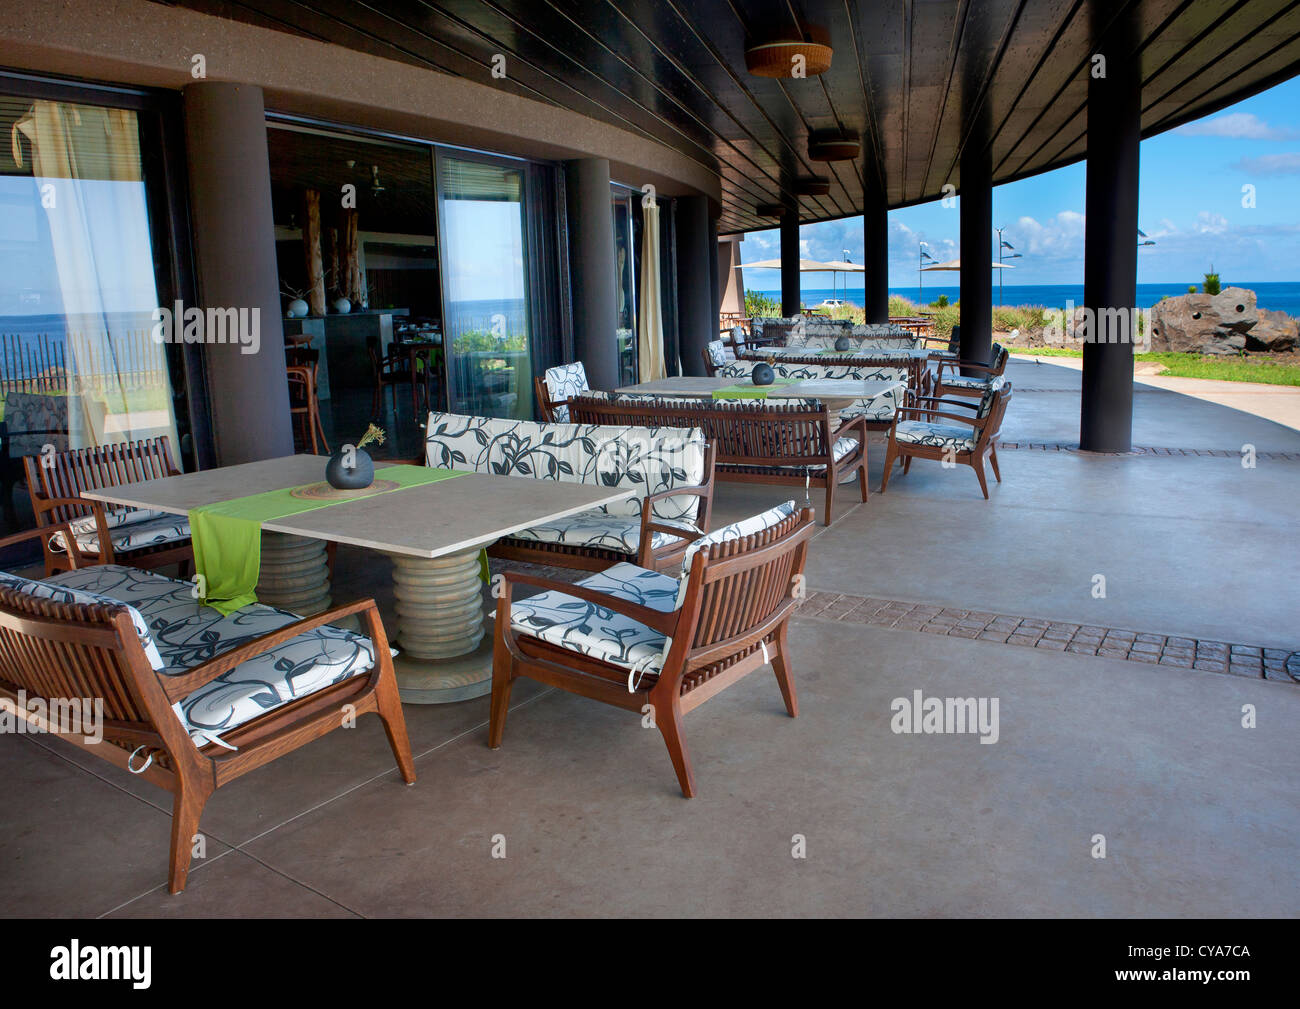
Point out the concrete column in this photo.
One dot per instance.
(1110, 249)
(715, 275)
(593, 269)
(875, 255)
(976, 252)
(234, 257)
(697, 322)
(790, 298)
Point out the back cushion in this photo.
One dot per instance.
(717, 352)
(565, 382)
(645, 459)
(737, 530)
(62, 594)
(990, 394)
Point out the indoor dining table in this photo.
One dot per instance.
(432, 532)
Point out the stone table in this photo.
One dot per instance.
(433, 533)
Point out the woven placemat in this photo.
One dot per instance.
(324, 492)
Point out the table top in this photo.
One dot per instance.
(450, 516)
(829, 390)
(831, 356)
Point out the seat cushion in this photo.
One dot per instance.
(920, 432)
(594, 630)
(841, 448)
(62, 589)
(187, 633)
(979, 382)
(129, 529)
(601, 530)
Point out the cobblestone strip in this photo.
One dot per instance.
(1080, 639)
(1218, 453)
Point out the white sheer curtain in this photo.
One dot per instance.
(651, 349)
(87, 171)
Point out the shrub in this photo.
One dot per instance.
(1211, 285)
(759, 305)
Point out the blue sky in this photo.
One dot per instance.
(1190, 204)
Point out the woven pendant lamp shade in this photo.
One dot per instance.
(776, 58)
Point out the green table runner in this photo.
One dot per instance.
(748, 390)
(227, 536)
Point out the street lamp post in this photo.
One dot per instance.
(1003, 244)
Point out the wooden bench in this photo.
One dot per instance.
(671, 472)
(249, 688)
(127, 536)
(787, 443)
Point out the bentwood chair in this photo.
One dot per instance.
(304, 406)
(630, 637)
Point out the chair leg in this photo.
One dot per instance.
(670, 725)
(502, 683)
(993, 461)
(830, 494)
(862, 479)
(907, 464)
(891, 455)
(977, 464)
(187, 806)
(389, 701)
(781, 666)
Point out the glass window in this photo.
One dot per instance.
(625, 265)
(485, 286)
(78, 290)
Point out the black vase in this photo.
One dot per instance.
(762, 374)
(842, 343)
(340, 477)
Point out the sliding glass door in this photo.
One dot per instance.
(485, 284)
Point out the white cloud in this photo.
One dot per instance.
(1271, 164)
(1061, 237)
(1208, 223)
(1236, 126)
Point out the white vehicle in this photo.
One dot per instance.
(831, 303)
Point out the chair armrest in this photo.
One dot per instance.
(178, 687)
(967, 404)
(657, 620)
(43, 533)
(926, 414)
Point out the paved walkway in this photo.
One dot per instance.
(926, 588)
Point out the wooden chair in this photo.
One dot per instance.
(59, 651)
(387, 373)
(715, 356)
(967, 441)
(123, 536)
(733, 616)
(304, 406)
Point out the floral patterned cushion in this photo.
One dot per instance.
(186, 633)
(717, 352)
(737, 530)
(991, 394)
(645, 459)
(128, 528)
(920, 432)
(33, 421)
(594, 630)
(966, 381)
(565, 382)
(56, 589)
(596, 529)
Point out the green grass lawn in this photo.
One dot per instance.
(1220, 369)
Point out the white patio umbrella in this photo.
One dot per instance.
(807, 266)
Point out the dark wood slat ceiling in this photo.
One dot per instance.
(917, 80)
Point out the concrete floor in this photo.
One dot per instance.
(1201, 816)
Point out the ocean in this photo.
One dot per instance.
(1275, 296)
